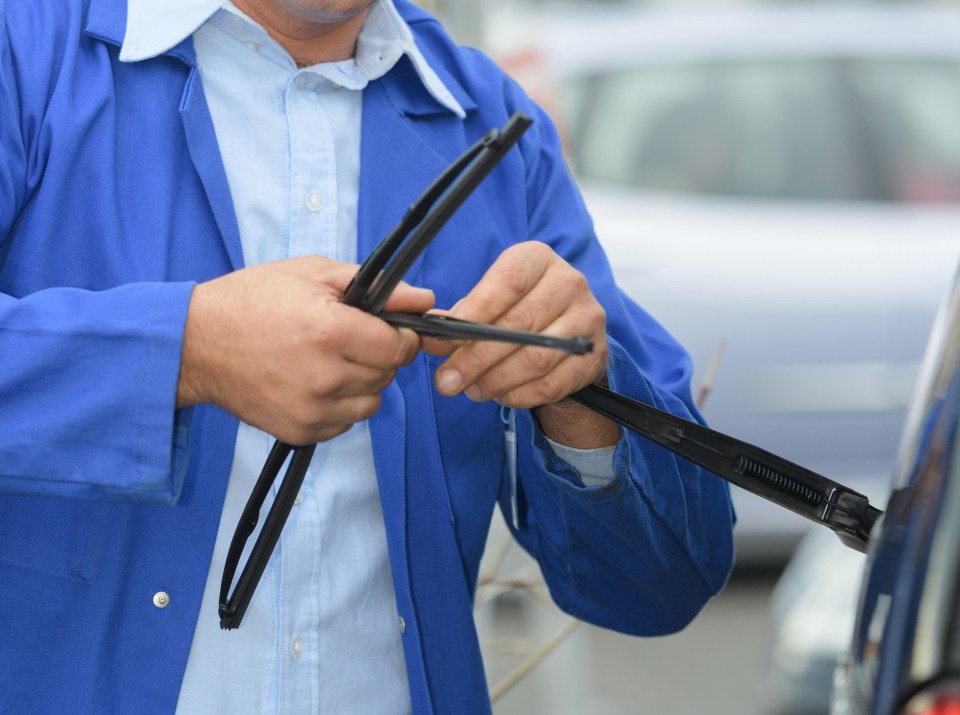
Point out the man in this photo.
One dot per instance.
(186, 189)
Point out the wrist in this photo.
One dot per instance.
(189, 385)
(574, 425)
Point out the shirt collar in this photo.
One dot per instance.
(156, 26)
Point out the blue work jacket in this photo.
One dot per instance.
(113, 204)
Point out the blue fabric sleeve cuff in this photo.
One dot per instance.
(592, 474)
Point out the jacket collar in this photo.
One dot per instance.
(437, 92)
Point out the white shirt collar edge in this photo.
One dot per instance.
(155, 27)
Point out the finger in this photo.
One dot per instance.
(522, 367)
(505, 384)
(441, 347)
(329, 433)
(411, 344)
(536, 311)
(315, 421)
(337, 416)
(365, 339)
(347, 410)
(350, 380)
(512, 276)
(530, 364)
(406, 298)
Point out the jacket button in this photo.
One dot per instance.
(161, 599)
(403, 626)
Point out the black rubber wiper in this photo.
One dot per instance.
(846, 512)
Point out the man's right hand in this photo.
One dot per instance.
(273, 345)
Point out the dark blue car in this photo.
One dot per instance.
(904, 658)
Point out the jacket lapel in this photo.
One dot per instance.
(407, 141)
(106, 21)
(398, 158)
(205, 153)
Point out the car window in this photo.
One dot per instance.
(938, 369)
(812, 130)
(911, 111)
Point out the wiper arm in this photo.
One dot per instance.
(846, 512)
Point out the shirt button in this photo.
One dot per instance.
(250, 45)
(161, 599)
(299, 498)
(403, 626)
(314, 201)
(296, 647)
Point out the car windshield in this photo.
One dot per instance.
(843, 129)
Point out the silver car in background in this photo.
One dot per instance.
(783, 181)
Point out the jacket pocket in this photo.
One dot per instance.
(59, 536)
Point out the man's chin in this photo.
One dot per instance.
(326, 11)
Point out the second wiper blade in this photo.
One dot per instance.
(446, 328)
(802, 491)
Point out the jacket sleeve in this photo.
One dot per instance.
(643, 554)
(87, 393)
(87, 379)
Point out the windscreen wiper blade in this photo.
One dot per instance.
(846, 512)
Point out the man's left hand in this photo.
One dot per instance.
(530, 287)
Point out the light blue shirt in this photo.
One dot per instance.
(322, 633)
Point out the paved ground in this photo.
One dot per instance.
(715, 666)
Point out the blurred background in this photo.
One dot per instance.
(779, 185)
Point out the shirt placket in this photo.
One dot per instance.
(313, 206)
(313, 169)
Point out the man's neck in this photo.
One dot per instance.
(308, 42)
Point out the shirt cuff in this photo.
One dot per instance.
(595, 466)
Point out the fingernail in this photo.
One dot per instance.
(453, 310)
(473, 392)
(448, 381)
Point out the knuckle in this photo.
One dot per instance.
(320, 333)
(550, 388)
(366, 407)
(470, 361)
(513, 275)
(304, 425)
(539, 359)
(320, 384)
(385, 380)
(520, 317)
(297, 432)
(596, 315)
(575, 280)
(407, 348)
(400, 350)
(536, 249)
